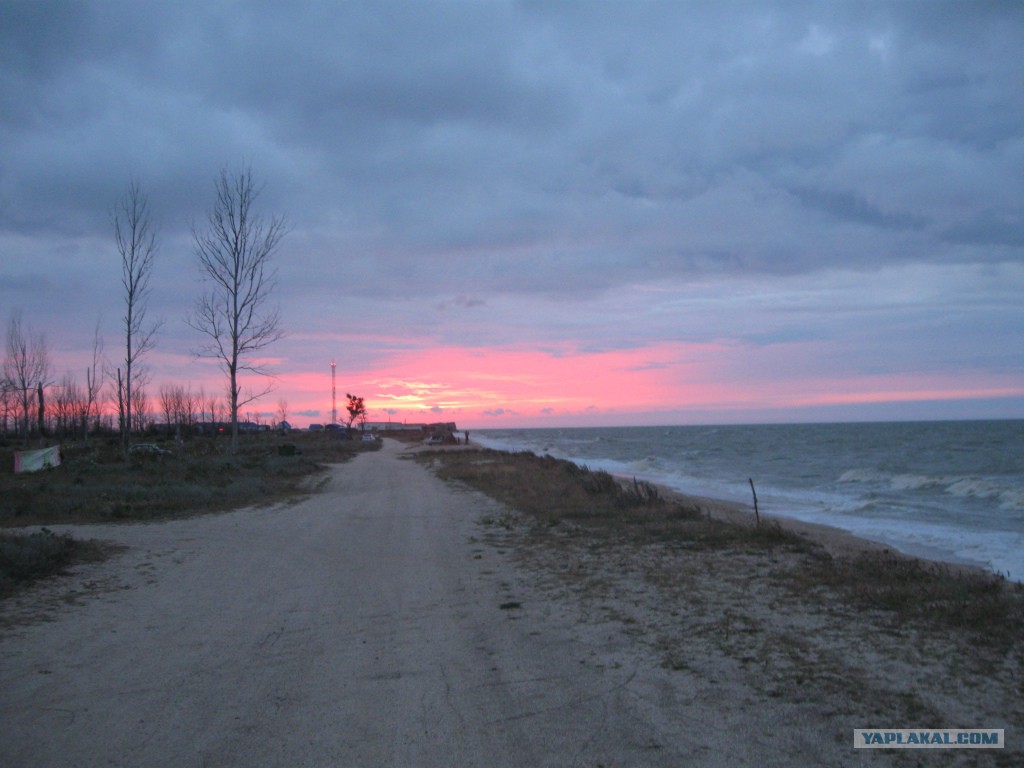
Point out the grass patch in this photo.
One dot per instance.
(607, 512)
(93, 484)
(25, 558)
(918, 591)
(553, 491)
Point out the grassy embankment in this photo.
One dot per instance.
(595, 510)
(94, 485)
(761, 618)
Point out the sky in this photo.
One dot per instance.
(542, 214)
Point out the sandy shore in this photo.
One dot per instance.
(835, 541)
(392, 619)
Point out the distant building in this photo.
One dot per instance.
(393, 426)
(224, 427)
(441, 426)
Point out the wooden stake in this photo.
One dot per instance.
(757, 515)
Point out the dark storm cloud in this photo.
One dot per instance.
(454, 125)
(848, 206)
(988, 228)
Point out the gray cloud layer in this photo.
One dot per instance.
(452, 153)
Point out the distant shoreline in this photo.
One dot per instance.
(945, 491)
(836, 541)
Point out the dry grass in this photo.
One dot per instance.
(930, 594)
(752, 619)
(608, 512)
(25, 558)
(94, 485)
(553, 492)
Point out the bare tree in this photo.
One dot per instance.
(190, 403)
(168, 403)
(117, 396)
(178, 405)
(282, 411)
(68, 405)
(8, 405)
(93, 383)
(141, 415)
(212, 406)
(137, 244)
(202, 405)
(26, 366)
(235, 251)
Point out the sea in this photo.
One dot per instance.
(951, 491)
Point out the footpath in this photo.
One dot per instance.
(377, 623)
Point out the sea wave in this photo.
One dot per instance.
(1008, 493)
(882, 479)
(974, 487)
(915, 486)
(999, 551)
(1012, 500)
(915, 482)
(860, 476)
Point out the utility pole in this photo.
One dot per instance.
(334, 396)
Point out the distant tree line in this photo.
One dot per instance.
(32, 403)
(235, 250)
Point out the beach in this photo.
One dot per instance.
(944, 490)
(394, 618)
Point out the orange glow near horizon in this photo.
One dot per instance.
(465, 383)
(478, 385)
(560, 385)
(507, 387)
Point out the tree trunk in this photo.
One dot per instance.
(234, 411)
(122, 422)
(42, 410)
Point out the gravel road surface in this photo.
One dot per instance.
(376, 623)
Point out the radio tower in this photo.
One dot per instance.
(334, 397)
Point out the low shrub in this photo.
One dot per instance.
(912, 589)
(551, 489)
(26, 557)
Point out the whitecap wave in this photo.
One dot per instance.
(915, 482)
(976, 488)
(1012, 499)
(861, 476)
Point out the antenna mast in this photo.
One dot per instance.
(334, 397)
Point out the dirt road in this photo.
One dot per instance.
(377, 623)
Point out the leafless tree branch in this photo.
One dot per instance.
(26, 365)
(235, 251)
(137, 243)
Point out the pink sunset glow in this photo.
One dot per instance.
(665, 383)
